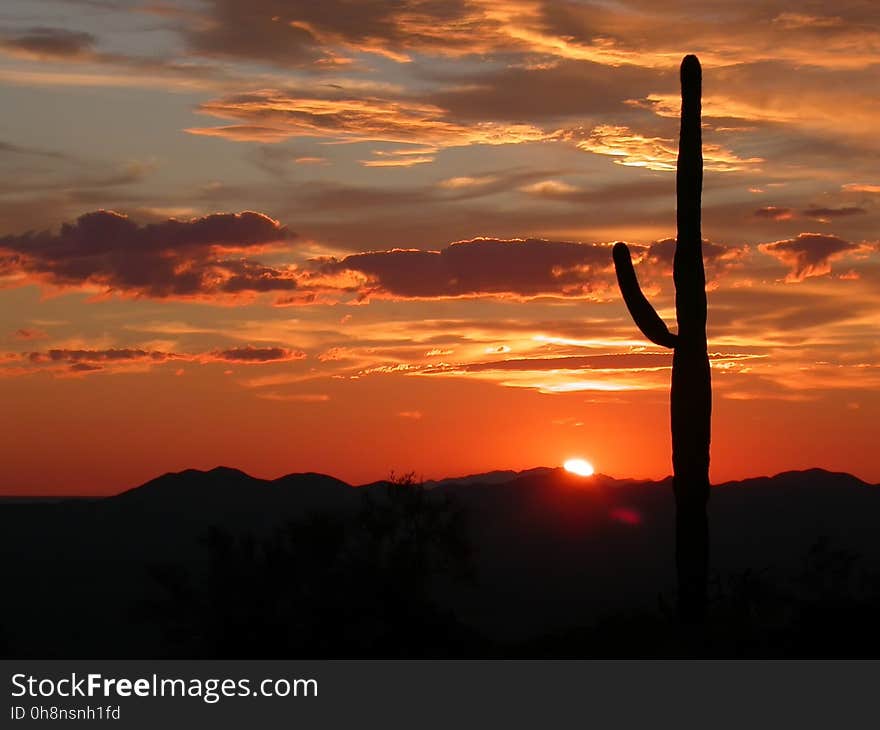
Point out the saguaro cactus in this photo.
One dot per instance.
(691, 395)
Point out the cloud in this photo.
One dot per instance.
(654, 153)
(774, 213)
(91, 361)
(825, 215)
(641, 189)
(400, 158)
(465, 181)
(861, 188)
(272, 115)
(49, 44)
(243, 133)
(250, 354)
(479, 267)
(172, 258)
(633, 362)
(558, 189)
(809, 254)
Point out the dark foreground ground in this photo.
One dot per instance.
(540, 564)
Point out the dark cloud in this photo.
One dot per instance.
(482, 266)
(809, 254)
(249, 354)
(93, 360)
(84, 367)
(50, 43)
(826, 214)
(99, 356)
(172, 258)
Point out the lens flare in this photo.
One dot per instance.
(581, 467)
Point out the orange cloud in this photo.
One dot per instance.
(809, 254)
(271, 115)
(861, 188)
(654, 153)
(633, 33)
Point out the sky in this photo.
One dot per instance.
(361, 236)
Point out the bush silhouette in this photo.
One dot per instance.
(327, 586)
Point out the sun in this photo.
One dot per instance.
(581, 467)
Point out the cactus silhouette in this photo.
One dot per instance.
(691, 393)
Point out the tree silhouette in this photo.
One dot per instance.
(691, 394)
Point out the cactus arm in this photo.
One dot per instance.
(643, 314)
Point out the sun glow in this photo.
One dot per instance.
(581, 467)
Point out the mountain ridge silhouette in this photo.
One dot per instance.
(498, 477)
(551, 549)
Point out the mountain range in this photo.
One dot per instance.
(551, 549)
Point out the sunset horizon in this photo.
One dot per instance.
(362, 238)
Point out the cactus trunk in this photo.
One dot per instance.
(691, 394)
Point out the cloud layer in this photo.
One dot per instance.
(214, 258)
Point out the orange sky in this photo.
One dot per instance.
(363, 237)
